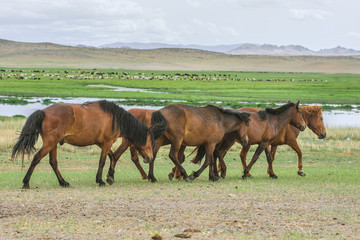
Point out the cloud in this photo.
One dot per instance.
(301, 14)
(353, 34)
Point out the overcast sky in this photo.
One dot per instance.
(314, 24)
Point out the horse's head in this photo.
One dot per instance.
(147, 151)
(296, 119)
(314, 119)
(157, 128)
(243, 129)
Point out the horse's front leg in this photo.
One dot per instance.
(295, 146)
(105, 149)
(54, 165)
(270, 161)
(221, 152)
(255, 157)
(114, 157)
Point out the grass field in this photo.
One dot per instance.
(232, 89)
(322, 205)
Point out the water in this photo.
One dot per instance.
(120, 89)
(339, 118)
(37, 103)
(334, 118)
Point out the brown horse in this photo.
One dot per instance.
(264, 126)
(312, 116)
(195, 126)
(99, 123)
(145, 116)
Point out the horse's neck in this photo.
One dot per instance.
(305, 115)
(280, 121)
(231, 123)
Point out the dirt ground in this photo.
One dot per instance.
(196, 210)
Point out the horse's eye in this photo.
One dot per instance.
(322, 118)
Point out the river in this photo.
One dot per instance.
(333, 118)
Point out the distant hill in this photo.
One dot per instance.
(244, 49)
(290, 50)
(48, 55)
(136, 45)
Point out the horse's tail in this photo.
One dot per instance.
(29, 134)
(159, 124)
(199, 155)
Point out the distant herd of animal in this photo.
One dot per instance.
(212, 129)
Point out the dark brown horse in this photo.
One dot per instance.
(312, 116)
(99, 123)
(264, 127)
(195, 126)
(146, 116)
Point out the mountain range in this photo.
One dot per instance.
(244, 49)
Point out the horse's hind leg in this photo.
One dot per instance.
(54, 165)
(173, 155)
(37, 158)
(208, 161)
(175, 171)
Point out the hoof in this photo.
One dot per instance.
(65, 184)
(223, 175)
(101, 183)
(152, 179)
(189, 178)
(171, 176)
(214, 179)
(26, 186)
(110, 180)
(301, 173)
(274, 176)
(245, 176)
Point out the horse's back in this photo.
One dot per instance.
(195, 125)
(59, 115)
(144, 115)
(250, 109)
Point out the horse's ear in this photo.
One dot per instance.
(297, 104)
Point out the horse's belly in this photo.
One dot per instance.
(80, 140)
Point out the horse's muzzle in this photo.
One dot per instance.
(322, 135)
(147, 159)
(244, 142)
(302, 127)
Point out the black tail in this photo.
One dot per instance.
(159, 124)
(199, 155)
(29, 134)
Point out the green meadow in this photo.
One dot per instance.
(230, 89)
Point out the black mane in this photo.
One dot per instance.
(130, 127)
(279, 110)
(243, 116)
(262, 114)
(159, 123)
